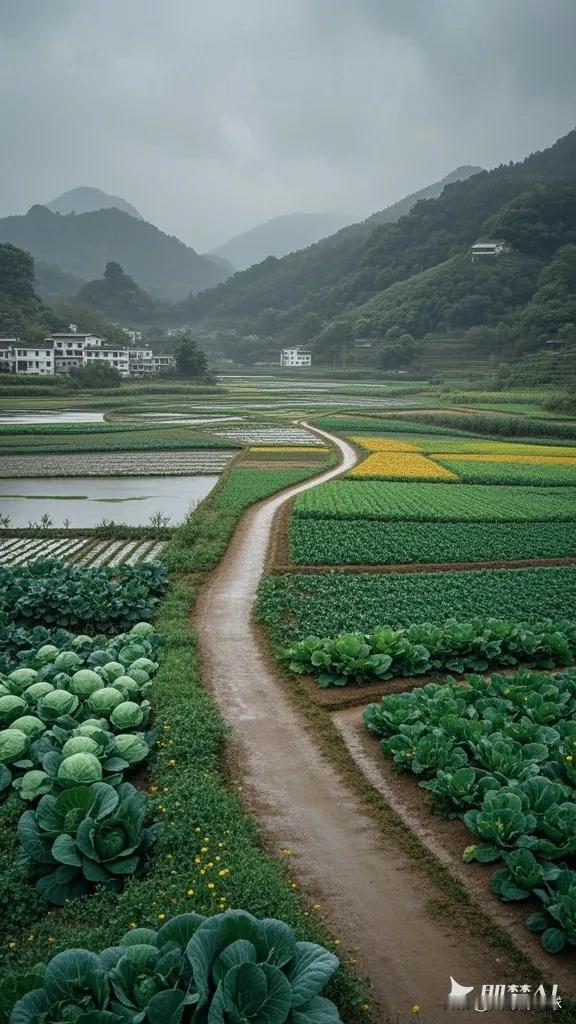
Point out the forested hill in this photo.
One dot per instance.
(22, 314)
(82, 244)
(325, 282)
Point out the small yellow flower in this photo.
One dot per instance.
(196, 829)
(221, 846)
(337, 942)
(11, 945)
(416, 1008)
(190, 892)
(210, 864)
(172, 762)
(211, 885)
(132, 924)
(202, 871)
(316, 906)
(51, 939)
(206, 839)
(365, 1006)
(161, 917)
(224, 872)
(204, 849)
(31, 938)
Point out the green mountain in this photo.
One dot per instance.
(117, 296)
(22, 313)
(86, 199)
(54, 285)
(278, 236)
(82, 244)
(415, 273)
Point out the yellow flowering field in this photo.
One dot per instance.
(531, 460)
(401, 466)
(385, 444)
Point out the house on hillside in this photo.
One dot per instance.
(555, 345)
(489, 247)
(295, 357)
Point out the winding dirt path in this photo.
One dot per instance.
(371, 892)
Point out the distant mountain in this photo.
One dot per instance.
(116, 295)
(54, 285)
(81, 244)
(279, 236)
(86, 200)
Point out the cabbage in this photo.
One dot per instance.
(13, 744)
(47, 672)
(46, 653)
(83, 768)
(37, 690)
(67, 661)
(33, 784)
(57, 703)
(29, 724)
(80, 640)
(3, 690)
(129, 654)
(139, 676)
(99, 657)
(11, 707)
(90, 726)
(112, 670)
(145, 664)
(21, 678)
(85, 682)
(80, 744)
(127, 715)
(126, 685)
(104, 701)
(132, 748)
(61, 681)
(142, 629)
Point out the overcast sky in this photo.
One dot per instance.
(212, 116)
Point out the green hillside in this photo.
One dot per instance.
(22, 313)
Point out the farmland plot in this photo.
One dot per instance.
(540, 471)
(79, 550)
(271, 435)
(161, 463)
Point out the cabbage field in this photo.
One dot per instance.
(79, 551)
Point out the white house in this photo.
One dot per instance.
(118, 358)
(36, 358)
(491, 247)
(295, 357)
(163, 363)
(141, 362)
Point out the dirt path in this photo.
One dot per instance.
(371, 892)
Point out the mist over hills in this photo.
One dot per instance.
(87, 199)
(81, 244)
(278, 237)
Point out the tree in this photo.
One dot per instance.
(96, 375)
(191, 361)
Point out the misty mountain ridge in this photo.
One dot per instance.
(278, 237)
(82, 244)
(87, 199)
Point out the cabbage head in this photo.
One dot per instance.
(112, 669)
(127, 715)
(29, 724)
(11, 707)
(139, 676)
(79, 745)
(60, 681)
(103, 701)
(33, 784)
(85, 682)
(80, 640)
(80, 769)
(37, 690)
(127, 686)
(141, 629)
(132, 749)
(56, 704)
(21, 678)
(91, 726)
(130, 653)
(13, 745)
(46, 653)
(67, 661)
(4, 691)
(143, 664)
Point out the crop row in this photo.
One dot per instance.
(401, 466)
(294, 605)
(79, 550)
(500, 754)
(245, 486)
(369, 542)
(49, 593)
(374, 499)
(162, 463)
(452, 646)
(271, 436)
(519, 470)
(149, 440)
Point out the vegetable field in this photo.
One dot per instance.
(369, 542)
(161, 463)
(373, 499)
(535, 472)
(294, 605)
(79, 550)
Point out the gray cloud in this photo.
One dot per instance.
(213, 117)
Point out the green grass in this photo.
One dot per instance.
(296, 605)
(421, 502)
(367, 542)
(535, 474)
(200, 807)
(201, 540)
